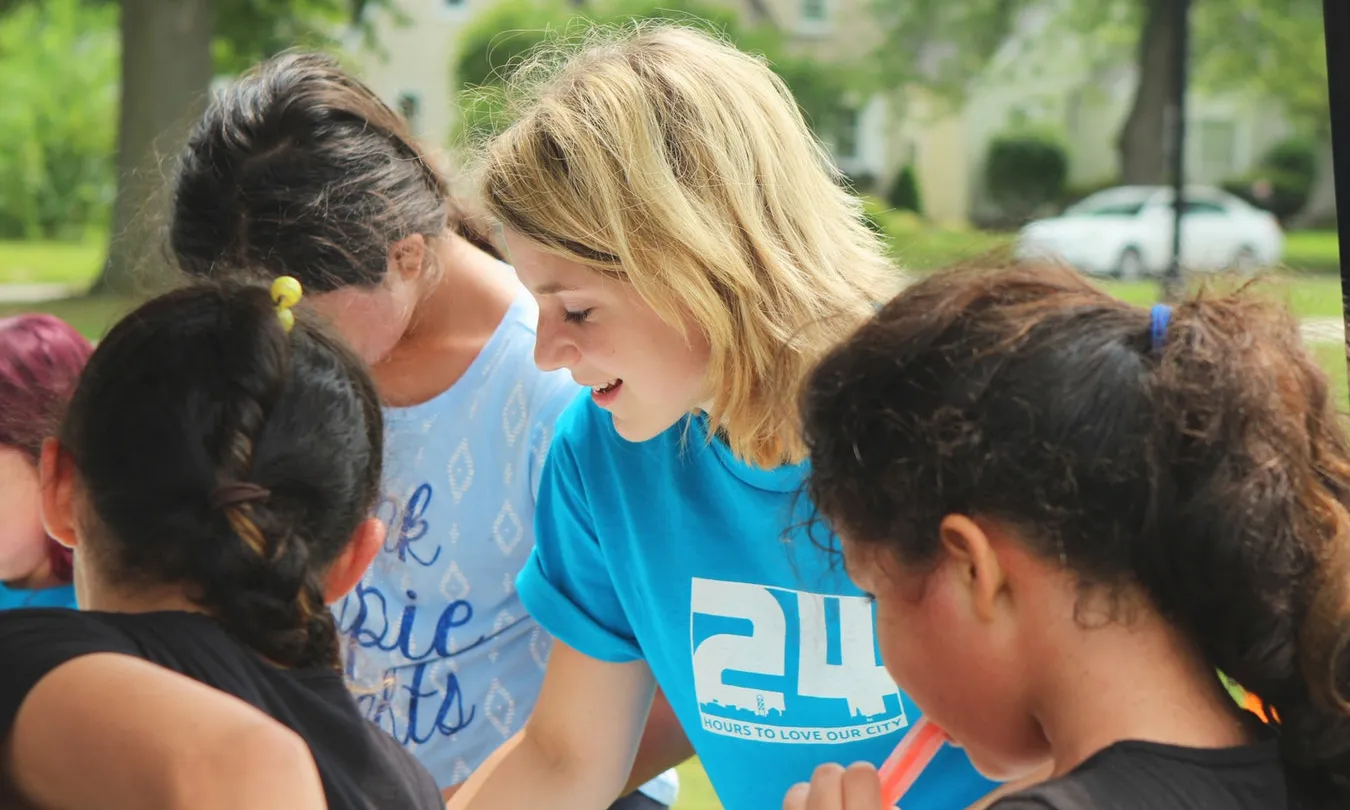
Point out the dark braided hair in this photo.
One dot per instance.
(299, 169)
(201, 391)
(1211, 470)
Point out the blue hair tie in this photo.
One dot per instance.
(1157, 325)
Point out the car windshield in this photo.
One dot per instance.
(1109, 209)
(1113, 203)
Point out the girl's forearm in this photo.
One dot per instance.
(522, 773)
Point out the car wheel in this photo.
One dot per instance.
(1130, 266)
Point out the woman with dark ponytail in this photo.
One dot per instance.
(214, 474)
(297, 168)
(1073, 514)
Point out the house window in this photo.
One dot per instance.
(1217, 144)
(846, 139)
(1073, 113)
(410, 107)
(814, 11)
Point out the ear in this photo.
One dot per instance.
(408, 256)
(351, 565)
(58, 479)
(973, 562)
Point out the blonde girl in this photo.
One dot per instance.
(692, 257)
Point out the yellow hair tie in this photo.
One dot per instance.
(286, 292)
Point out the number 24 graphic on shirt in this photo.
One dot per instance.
(778, 665)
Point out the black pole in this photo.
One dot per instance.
(1336, 16)
(1172, 281)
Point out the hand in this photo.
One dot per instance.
(834, 788)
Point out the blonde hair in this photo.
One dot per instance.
(668, 159)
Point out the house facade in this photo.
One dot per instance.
(1046, 78)
(1039, 77)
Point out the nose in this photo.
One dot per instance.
(553, 349)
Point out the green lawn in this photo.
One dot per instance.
(1308, 295)
(930, 248)
(919, 247)
(1312, 250)
(913, 244)
(91, 316)
(696, 792)
(1332, 358)
(72, 263)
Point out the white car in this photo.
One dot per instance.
(1127, 232)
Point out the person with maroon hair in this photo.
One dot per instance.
(40, 361)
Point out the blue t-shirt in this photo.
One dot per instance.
(62, 596)
(438, 650)
(672, 551)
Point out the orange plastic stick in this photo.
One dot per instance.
(1252, 703)
(918, 747)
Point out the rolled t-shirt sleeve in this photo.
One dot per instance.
(33, 643)
(567, 584)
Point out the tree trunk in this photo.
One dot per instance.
(166, 73)
(1143, 139)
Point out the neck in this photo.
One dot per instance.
(109, 598)
(40, 578)
(474, 289)
(450, 325)
(1130, 680)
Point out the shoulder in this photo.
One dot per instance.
(1067, 793)
(38, 628)
(61, 596)
(1134, 774)
(409, 784)
(553, 393)
(547, 393)
(34, 643)
(520, 325)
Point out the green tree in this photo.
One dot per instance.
(1025, 170)
(1145, 32)
(170, 51)
(1269, 46)
(496, 42)
(1278, 49)
(1274, 47)
(941, 45)
(945, 46)
(904, 192)
(491, 47)
(58, 76)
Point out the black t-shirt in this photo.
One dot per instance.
(1135, 775)
(362, 767)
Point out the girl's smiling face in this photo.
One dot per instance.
(639, 368)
